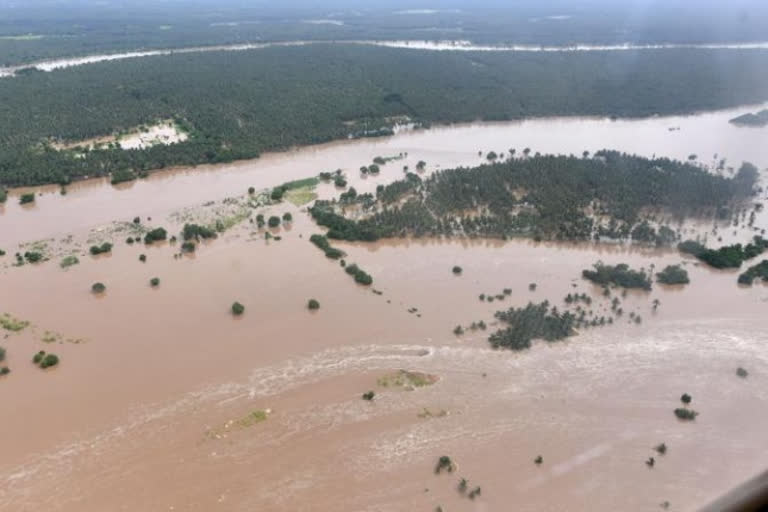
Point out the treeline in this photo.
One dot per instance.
(545, 197)
(236, 105)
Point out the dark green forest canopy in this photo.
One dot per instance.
(236, 105)
(550, 197)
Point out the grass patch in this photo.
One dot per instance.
(300, 196)
(429, 413)
(303, 183)
(252, 418)
(406, 380)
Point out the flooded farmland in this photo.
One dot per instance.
(164, 400)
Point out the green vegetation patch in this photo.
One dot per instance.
(534, 321)
(361, 277)
(673, 274)
(69, 261)
(155, 235)
(300, 196)
(618, 275)
(11, 323)
(122, 176)
(686, 414)
(104, 248)
(321, 241)
(759, 271)
(251, 419)
(196, 232)
(44, 360)
(407, 380)
(729, 256)
(306, 184)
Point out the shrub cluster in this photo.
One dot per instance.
(101, 249)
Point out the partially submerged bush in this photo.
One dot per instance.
(273, 221)
(444, 463)
(673, 274)
(98, 288)
(661, 449)
(196, 232)
(538, 460)
(360, 275)
(49, 360)
(26, 198)
(741, 372)
(2, 354)
(143, 258)
(686, 414)
(287, 217)
(188, 247)
(154, 282)
(618, 275)
(38, 357)
(368, 395)
(685, 398)
(313, 304)
(237, 309)
(457, 269)
(106, 247)
(69, 261)
(33, 256)
(155, 235)
(321, 241)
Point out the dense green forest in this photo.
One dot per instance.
(545, 197)
(40, 29)
(235, 105)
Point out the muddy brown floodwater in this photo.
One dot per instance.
(164, 401)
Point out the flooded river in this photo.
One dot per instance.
(152, 406)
